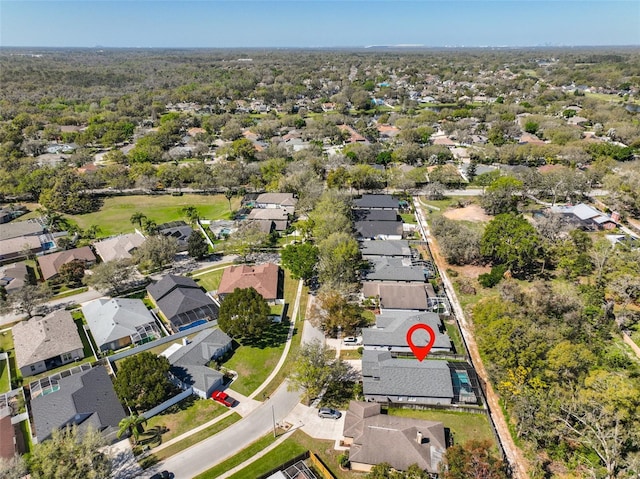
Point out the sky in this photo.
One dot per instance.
(315, 23)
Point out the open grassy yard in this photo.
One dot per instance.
(198, 437)
(113, 217)
(254, 363)
(463, 426)
(5, 384)
(295, 445)
(184, 416)
(209, 281)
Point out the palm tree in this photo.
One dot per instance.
(191, 212)
(131, 424)
(149, 226)
(137, 218)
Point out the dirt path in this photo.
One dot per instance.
(514, 455)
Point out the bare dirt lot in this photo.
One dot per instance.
(470, 271)
(468, 213)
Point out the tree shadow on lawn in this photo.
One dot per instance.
(273, 337)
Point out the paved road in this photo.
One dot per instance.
(233, 439)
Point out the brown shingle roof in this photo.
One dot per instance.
(46, 337)
(263, 278)
(50, 264)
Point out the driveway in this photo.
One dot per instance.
(306, 417)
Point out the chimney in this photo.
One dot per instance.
(419, 437)
(185, 341)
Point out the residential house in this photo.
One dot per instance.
(393, 296)
(182, 302)
(20, 247)
(379, 230)
(390, 332)
(375, 215)
(388, 248)
(178, 230)
(18, 229)
(43, 343)
(13, 277)
(395, 269)
(267, 279)
(353, 135)
(84, 399)
(118, 322)
(118, 247)
(587, 216)
(189, 363)
(50, 264)
(284, 201)
(377, 202)
(374, 437)
(269, 219)
(387, 379)
(20, 238)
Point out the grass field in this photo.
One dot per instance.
(5, 384)
(463, 426)
(113, 217)
(254, 363)
(185, 415)
(197, 437)
(298, 443)
(211, 280)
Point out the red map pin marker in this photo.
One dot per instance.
(420, 352)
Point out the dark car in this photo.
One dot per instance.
(328, 413)
(162, 475)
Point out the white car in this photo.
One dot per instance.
(352, 340)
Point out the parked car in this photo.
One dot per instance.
(351, 340)
(162, 475)
(223, 398)
(328, 413)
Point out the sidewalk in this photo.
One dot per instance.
(246, 405)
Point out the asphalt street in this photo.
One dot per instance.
(202, 456)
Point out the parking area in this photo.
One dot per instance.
(307, 418)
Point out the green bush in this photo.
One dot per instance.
(489, 280)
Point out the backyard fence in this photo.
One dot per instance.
(167, 404)
(319, 465)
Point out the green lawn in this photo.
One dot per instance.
(5, 384)
(254, 363)
(113, 217)
(295, 445)
(185, 415)
(6, 345)
(210, 281)
(239, 458)
(197, 437)
(454, 335)
(279, 455)
(408, 218)
(463, 426)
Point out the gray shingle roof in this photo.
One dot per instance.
(182, 301)
(375, 215)
(372, 229)
(394, 269)
(392, 331)
(385, 248)
(384, 375)
(41, 338)
(112, 319)
(377, 201)
(84, 399)
(189, 362)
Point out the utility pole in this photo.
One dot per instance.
(273, 417)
